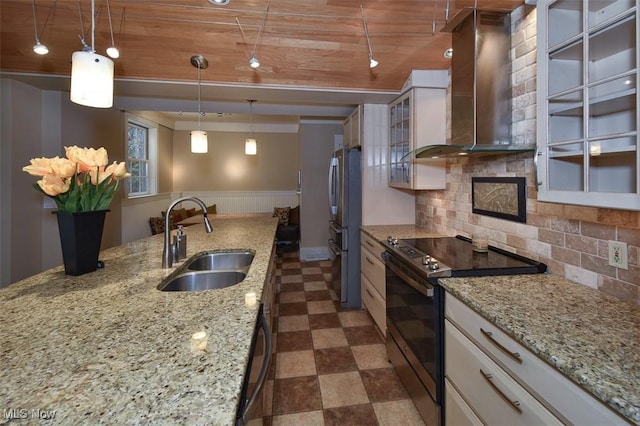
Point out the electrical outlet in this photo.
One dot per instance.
(618, 254)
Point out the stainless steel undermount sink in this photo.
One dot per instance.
(220, 261)
(210, 270)
(193, 281)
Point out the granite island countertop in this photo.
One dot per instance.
(590, 337)
(109, 348)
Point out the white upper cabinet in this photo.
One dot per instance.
(587, 61)
(417, 118)
(352, 129)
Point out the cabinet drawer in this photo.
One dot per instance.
(373, 268)
(492, 393)
(375, 304)
(560, 394)
(372, 245)
(457, 411)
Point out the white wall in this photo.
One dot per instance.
(317, 139)
(21, 205)
(6, 129)
(136, 213)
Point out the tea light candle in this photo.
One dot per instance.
(250, 299)
(199, 341)
(480, 243)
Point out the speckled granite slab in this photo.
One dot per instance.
(592, 338)
(109, 348)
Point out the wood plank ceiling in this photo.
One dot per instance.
(303, 43)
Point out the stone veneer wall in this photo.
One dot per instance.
(571, 240)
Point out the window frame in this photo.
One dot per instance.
(152, 154)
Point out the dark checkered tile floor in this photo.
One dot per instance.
(330, 366)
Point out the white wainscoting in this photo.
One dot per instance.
(246, 201)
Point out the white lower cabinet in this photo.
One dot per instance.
(374, 303)
(487, 388)
(503, 382)
(457, 411)
(372, 280)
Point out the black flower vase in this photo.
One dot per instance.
(80, 237)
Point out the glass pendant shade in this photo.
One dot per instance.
(91, 80)
(199, 142)
(250, 146)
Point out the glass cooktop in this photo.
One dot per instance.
(457, 253)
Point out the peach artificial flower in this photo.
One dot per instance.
(62, 167)
(53, 185)
(84, 181)
(57, 166)
(87, 158)
(118, 170)
(98, 175)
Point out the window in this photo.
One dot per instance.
(141, 157)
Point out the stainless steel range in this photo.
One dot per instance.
(415, 307)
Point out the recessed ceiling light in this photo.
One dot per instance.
(448, 53)
(219, 2)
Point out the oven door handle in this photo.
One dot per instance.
(264, 370)
(426, 290)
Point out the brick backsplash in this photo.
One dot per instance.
(571, 240)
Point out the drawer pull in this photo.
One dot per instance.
(514, 404)
(489, 335)
(369, 243)
(369, 260)
(369, 293)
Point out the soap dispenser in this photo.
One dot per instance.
(180, 241)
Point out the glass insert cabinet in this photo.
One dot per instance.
(417, 118)
(587, 61)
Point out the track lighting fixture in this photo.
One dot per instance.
(91, 74)
(372, 62)
(112, 50)
(250, 144)
(38, 48)
(254, 62)
(199, 140)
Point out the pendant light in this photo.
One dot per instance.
(250, 144)
(91, 74)
(199, 141)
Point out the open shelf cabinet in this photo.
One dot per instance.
(588, 112)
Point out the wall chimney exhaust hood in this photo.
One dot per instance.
(480, 87)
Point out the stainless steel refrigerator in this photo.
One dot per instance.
(345, 201)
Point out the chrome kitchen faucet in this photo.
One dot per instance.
(169, 249)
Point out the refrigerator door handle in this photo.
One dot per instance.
(334, 187)
(335, 227)
(335, 249)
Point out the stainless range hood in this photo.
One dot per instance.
(480, 87)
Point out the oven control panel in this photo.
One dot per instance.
(423, 262)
